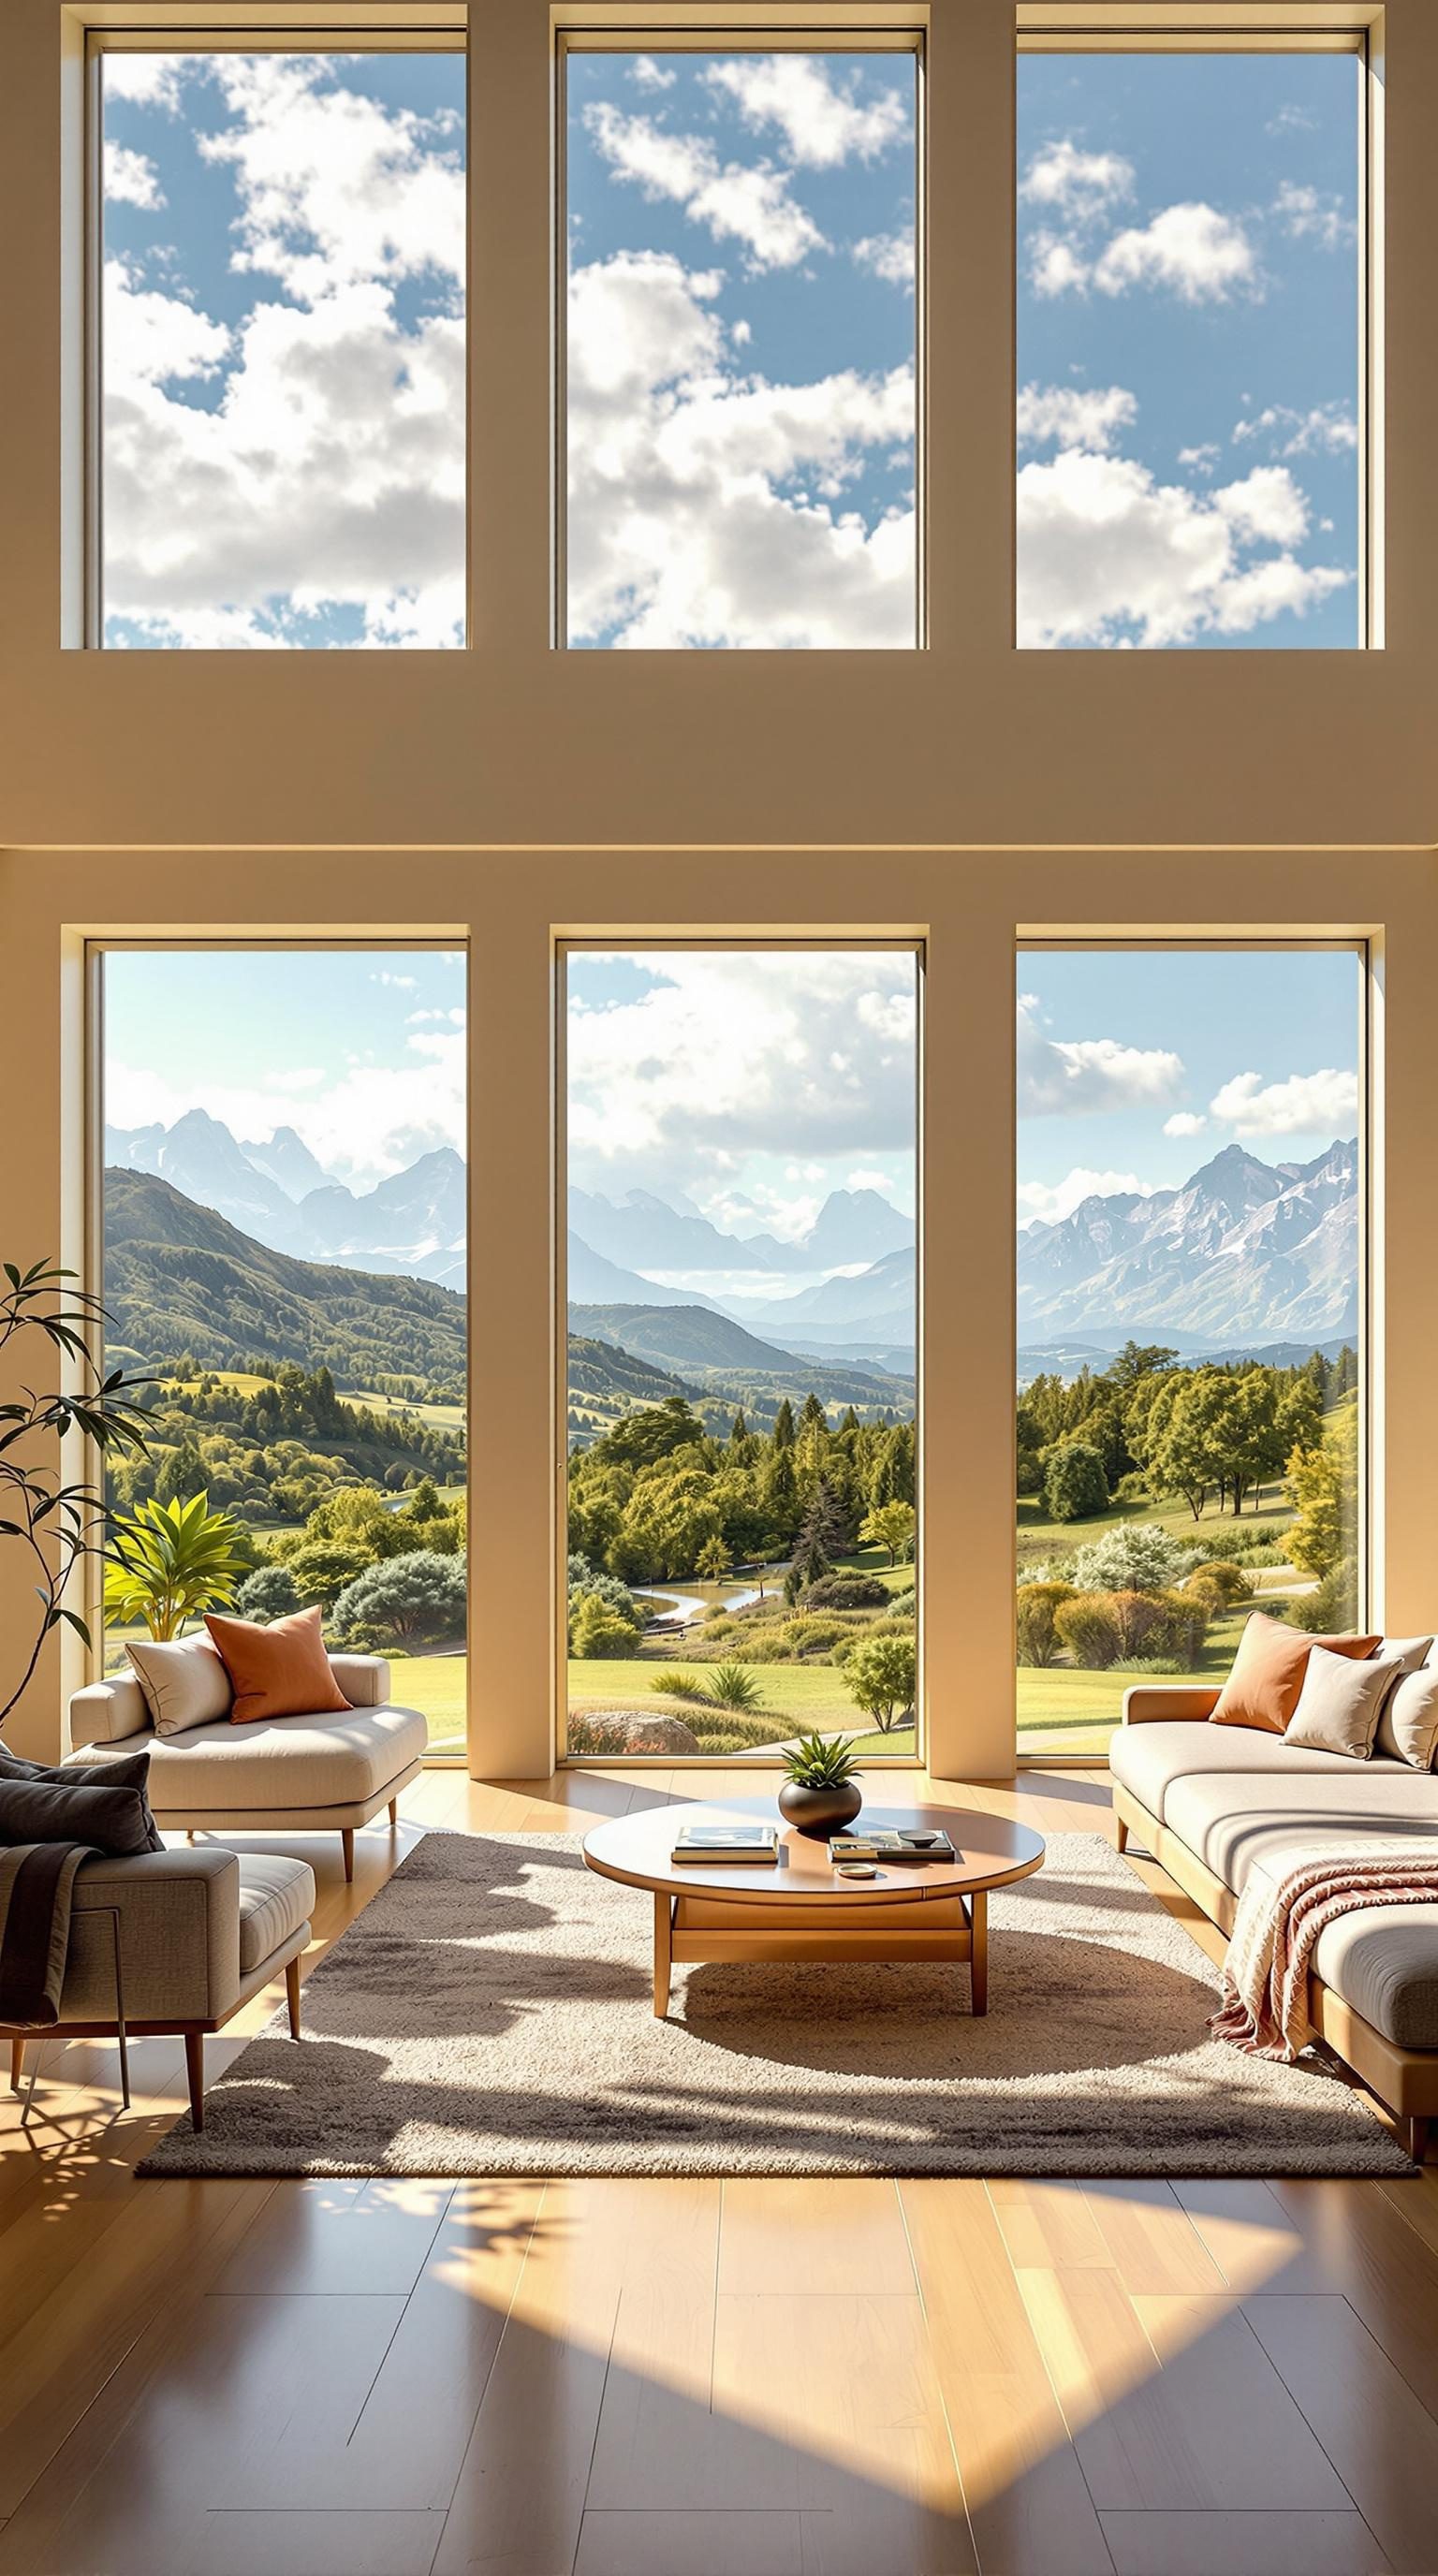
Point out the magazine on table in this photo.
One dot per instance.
(753, 1843)
(890, 1842)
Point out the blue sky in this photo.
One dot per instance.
(741, 347)
(1188, 349)
(1136, 1066)
(361, 1051)
(284, 242)
(755, 1083)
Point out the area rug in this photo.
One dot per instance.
(490, 2013)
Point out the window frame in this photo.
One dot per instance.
(894, 27)
(1355, 27)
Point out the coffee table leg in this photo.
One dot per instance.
(663, 1955)
(979, 1960)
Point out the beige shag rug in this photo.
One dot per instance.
(490, 2013)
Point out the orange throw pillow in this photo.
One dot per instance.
(279, 1671)
(1262, 1688)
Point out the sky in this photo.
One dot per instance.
(1137, 1066)
(753, 1082)
(741, 349)
(1187, 350)
(283, 350)
(361, 1051)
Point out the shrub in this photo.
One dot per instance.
(1185, 1627)
(847, 1592)
(1199, 1587)
(678, 1681)
(1140, 1557)
(267, 1594)
(1223, 1576)
(1132, 1488)
(408, 1602)
(325, 1567)
(1143, 1622)
(1138, 1666)
(1075, 1486)
(731, 1686)
(1089, 1627)
(720, 1731)
(1038, 1604)
(811, 1636)
(598, 1631)
(588, 1585)
(1332, 1607)
(881, 1676)
(903, 1605)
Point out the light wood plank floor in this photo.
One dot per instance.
(679, 2378)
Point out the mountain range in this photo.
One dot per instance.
(643, 1231)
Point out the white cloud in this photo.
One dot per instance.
(1322, 1104)
(130, 178)
(146, 80)
(1055, 267)
(868, 1180)
(702, 502)
(1202, 256)
(1292, 119)
(1184, 1122)
(1074, 182)
(422, 1019)
(1072, 416)
(1107, 554)
(647, 74)
(887, 255)
(1045, 1204)
(1072, 1077)
(401, 983)
(822, 123)
(1314, 214)
(373, 1121)
(746, 203)
(1327, 428)
(1202, 459)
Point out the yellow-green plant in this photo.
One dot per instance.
(170, 1562)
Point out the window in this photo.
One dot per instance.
(1193, 299)
(283, 1219)
(281, 400)
(1191, 1355)
(740, 351)
(740, 1153)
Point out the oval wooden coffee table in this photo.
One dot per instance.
(801, 1908)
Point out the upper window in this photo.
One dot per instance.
(740, 351)
(281, 406)
(1192, 266)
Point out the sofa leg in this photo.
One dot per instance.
(1415, 2139)
(1120, 1833)
(394, 1815)
(17, 2064)
(292, 1995)
(347, 1846)
(195, 2076)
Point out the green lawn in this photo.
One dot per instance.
(794, 1694)
(1040, 1537)
(434, 1684)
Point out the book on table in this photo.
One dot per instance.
(752, 1843)
(890, 1842)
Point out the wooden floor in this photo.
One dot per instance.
(696, 2378)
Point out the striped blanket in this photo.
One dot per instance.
(36, 1884)
(1277, 1928)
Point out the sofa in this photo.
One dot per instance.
(1215, 1803)
(198, 1932)
(321, 1774)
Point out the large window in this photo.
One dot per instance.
(741, 1166)
(740, 348)
(283, 1212)
(1193, 316)
(1190, 1427)
(281, 353)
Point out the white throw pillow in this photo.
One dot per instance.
(1340, 1704)
(185, 1684)
(1408, 1728)
(1407, 1655)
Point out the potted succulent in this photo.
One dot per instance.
(820, 1795)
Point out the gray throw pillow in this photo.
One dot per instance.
(1407, 1654)
(1339, 1704)
(1408, 1728)
(113, 1820)
(131, 1771)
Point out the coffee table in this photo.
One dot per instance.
(801, 1908)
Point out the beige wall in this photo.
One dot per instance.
(882, 793)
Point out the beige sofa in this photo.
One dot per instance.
(199, 1933)
(322, 1774)
(1215, 1803)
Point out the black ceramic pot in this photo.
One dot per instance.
(820, 1811)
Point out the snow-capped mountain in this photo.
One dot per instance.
(644, 1231)
(1245, 1251)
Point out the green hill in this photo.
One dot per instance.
(678, 1336)
(179, 1278)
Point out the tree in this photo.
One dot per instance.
(324, 1567)
(783, 1434)
(268, 1593)
(597, 1631)
(1323, 1486)
(891, 1526)
(713, 1561)
(1075, 1486)
(1138, 1557)
(881, 1676)
(409, 1603)
(170, 1562)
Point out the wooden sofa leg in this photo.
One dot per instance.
(292, 1995)
(394, 1815)
(347, 1846)
(1120, 1833)
(17, 2064)
(1415, 2139)
(195, 2076)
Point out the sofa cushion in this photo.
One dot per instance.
(276, 1899)
(278, 1671)
(1381, 1959)
(1149, 1759)
(184, 1681)
(1340, 1703)
(1408, 1726)
(319, 1761)
(114, 1819)
(1231, 1819)
(1262, 1688)
(125, 1769)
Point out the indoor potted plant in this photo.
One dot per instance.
(820, 1794)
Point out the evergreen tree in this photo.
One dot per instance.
(784, 1426)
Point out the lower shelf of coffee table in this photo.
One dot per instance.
(706, 1928)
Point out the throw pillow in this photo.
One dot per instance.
(1408, 1727)
(185, 1684)
(1262, 1688)
(1408, 1655)
(279, 1671)
(130, 1771)
(1340, 1703)
(113, 1820)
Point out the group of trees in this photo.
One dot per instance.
(275, 1451)
(659, 1492)
(388, 1580)
(1135, 1597)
